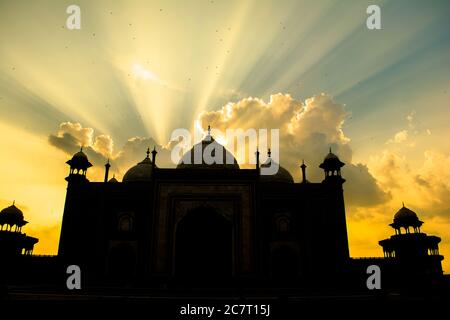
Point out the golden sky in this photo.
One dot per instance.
(136, 70)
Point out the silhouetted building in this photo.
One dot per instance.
(213, 225)
(413, 251)
(13, 242)
(204, 222)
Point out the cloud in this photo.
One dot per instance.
(83, 135)
(104, 145)
(412, 130)
(71, 136)
(307, 130)
(425, 186)
(399, 137)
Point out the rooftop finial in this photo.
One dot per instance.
(81, 149)
(330, 149)
(403, 204)
(209, 130)
(269, 152)
(14, 202)
(148, 152)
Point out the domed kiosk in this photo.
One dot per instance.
(12, 241)
(416, 251)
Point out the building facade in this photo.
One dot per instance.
(204, 223)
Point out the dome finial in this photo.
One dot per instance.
(148, 152)
(269, 152)
(209, 130)
(330, 149)
(403, 204)
(14, 202)
(81, 148)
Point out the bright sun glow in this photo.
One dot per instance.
(140, 72)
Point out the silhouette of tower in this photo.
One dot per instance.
(78, 167)
(72, 224)
(334, 232)
(332, 168)
(416, 252)
(12, 241)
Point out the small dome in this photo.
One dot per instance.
(405, 217)
(331, 162)
(113, 180)
(282, 174)
(140, 172)
(12, 216)
(188, 160)
(331, 155)
(79, 161)
(80, 155)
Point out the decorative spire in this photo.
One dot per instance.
(14, 202)
(148, 153)
(209, 130)
(81, 149)
(107, 166)
(257, 158)
(303, 166)
(403, 204)
(269, 152)
(154, 152)
(330, 149)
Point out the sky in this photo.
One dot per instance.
(137, 70)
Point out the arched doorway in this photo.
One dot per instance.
(203, 248)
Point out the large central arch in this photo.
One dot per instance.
(203, 247)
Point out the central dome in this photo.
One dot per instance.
(203, 156)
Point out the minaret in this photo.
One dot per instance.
(303, 166)
(154, 152)
(257, 158)
(333, 204)
(70, 241)
(107, 166)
